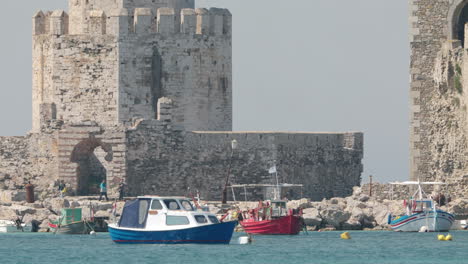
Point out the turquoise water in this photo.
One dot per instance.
(316, 247)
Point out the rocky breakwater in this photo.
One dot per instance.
(356, 212)
(361, 212)
(41, 213)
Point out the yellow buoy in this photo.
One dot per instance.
(448, 237)
(441, 237)
(345, 235)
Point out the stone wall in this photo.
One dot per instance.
(193, 70)
(14, 156)
(382, 191)
(28, 159)
(171, 162)
(78, 74)
(438, 144)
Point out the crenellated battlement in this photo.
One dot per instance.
(53, 23)
(118, 22)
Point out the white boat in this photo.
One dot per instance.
(422, 214)
(7, 226)
(168, 220)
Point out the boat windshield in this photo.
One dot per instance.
(171, 204)
(423, 205)
(278, 204)
(187, 205)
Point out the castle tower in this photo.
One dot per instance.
(109, 61)
(438, 92)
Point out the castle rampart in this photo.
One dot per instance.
(132, 64)
(118, 22)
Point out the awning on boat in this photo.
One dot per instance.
(134, 213)
(418, 183)
(265, 185)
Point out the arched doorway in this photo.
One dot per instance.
(458, 17)
(93, 157)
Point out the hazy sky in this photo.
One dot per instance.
(299, 65)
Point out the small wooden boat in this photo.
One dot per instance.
(274, 219)
(71, 223)
(168, 220)
(422, 214)
(7, 226)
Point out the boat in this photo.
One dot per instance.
(71, 223)
(17, 226)
(168, 220)
(421, 214)
(272, 218)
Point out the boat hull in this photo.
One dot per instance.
(442, 221)
(286, 225)
(14, 229)
(76, 228)
(208, 234)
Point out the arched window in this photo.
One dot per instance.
(460, 27)
(457, 17)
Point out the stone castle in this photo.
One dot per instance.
(141, 90)
(439, 89)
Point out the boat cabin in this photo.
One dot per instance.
(420, 205)
(164, 213)
(278, 208)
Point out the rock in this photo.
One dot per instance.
(12, 196)
(102, 206)
(303, 203)
(102, 214)
(364, 198)
(351, 224)
(312, 217)
(23, 210)
(328, 228)
(37, 205)
(357, 191)
(57, 204)
(335, 216)
(458, 207)
(75, 204)
(361, 205)
(7, 213)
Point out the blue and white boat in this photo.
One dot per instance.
(168, 220)
(422, 214)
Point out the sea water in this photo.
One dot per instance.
(314, 247)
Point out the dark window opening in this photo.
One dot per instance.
(201, 219)
(462, 19)
(156, 205)
(172, 204)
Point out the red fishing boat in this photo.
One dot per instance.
(272, 219)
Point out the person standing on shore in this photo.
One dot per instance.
(103, 188)
(62, 188)
(121, 189)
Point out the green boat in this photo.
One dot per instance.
(71, 223)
